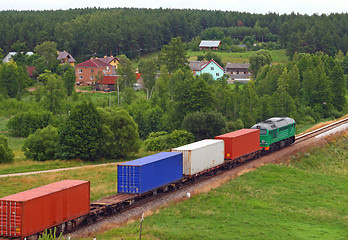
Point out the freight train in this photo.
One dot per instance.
(65, 205)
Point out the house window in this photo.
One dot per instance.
(80, 70)
(91, 77)
(107, 68)
(217, 74)
(92, 70)
(80, 77)
(212, 68)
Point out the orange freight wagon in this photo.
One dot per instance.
(240, 143)
(30, 212)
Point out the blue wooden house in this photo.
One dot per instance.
(211, 67)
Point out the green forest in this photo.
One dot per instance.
(53, 121)
(133, 32)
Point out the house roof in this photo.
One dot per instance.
(64, 55)
(108, 59)
(209, 43)
(109, 80)
(93, 63)
(200, 65)
(212, 60)
(238, 65)
(196, 65)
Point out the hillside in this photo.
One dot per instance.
(303, 199)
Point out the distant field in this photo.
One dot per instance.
(278, 56)
(305, 199)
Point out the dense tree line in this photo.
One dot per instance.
(90, 31)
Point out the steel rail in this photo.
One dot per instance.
(321, 130)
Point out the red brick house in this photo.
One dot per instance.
(87, 71)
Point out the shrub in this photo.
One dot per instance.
(27, 123)
(161, 141)
(180, 137)
(10, 107)
(204, 124)
(42, 144)
(157, 144)
(6, 154)
(120, 133)
(235, 125)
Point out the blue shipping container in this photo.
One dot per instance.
(148, 173)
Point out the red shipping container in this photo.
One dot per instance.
(240, 142)
(35, 210)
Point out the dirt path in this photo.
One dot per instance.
(55, 170)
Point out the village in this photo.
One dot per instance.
(87, 72)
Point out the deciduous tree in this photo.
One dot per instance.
(42, 144)
(173, 55)
(48, 51)
(120, 133)
(204, 124)
(148, 69)
(80, 137)
(259, 59)
(13, 80)
(6, 154)
(54, 94)
(69, 78)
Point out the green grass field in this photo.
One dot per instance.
(278, 56)
(305, 199)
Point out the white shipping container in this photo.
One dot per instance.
(202, 155)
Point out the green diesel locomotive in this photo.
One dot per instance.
(276, 132)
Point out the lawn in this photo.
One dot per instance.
(278, 56)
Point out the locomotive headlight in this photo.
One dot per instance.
(263, 141)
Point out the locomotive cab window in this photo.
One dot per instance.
(263, 132)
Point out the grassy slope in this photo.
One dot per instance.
(305, 199)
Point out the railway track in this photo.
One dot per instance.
(319, 131)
